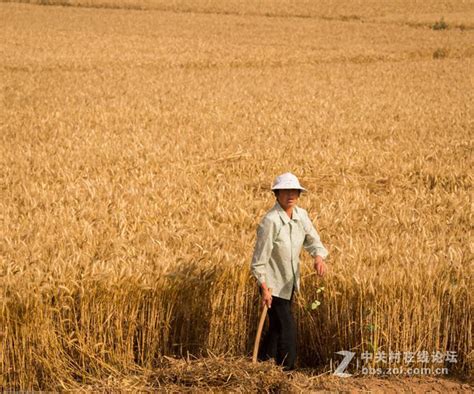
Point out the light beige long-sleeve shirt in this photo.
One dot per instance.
(275, 259)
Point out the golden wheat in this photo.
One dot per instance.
(137, 149)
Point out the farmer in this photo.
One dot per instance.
(275, 264)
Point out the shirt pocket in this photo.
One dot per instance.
(297, 236)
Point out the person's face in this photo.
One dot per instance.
(288, 197)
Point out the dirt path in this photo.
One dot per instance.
(394, 384)
(217, 374)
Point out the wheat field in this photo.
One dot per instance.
(138, 142)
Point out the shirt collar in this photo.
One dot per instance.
(283, 214)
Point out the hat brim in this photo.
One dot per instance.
(288, 188)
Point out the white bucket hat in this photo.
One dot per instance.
(287, 181)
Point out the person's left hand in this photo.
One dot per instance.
(320, 265)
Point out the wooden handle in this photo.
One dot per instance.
(259, 332)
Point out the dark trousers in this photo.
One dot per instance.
(279, 342)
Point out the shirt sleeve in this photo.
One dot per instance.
(263, 249)
(312, 242)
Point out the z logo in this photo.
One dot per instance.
(344, 363)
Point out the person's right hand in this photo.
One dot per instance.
(267, 298)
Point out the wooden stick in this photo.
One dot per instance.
(259, 332)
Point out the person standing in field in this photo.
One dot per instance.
(281, 234)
